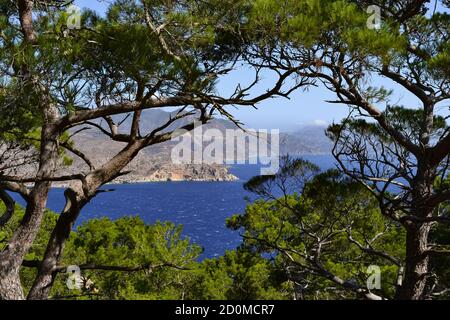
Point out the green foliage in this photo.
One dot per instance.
(440, 64)
(240, 275)
(309, 23)
(293, 169)
(333, 209)
(405, 120)
(129, 242)
(126, 242)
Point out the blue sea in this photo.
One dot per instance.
(201, 207)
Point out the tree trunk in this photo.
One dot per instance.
(10, 286)
(416, 264)
(46, 274)
(12, 256)
(417, 232)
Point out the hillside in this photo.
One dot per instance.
(154, 163)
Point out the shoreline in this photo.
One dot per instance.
(142, 181)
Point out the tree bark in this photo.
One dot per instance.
(12, 256)
(417, 232)
(416, 264)
(47, 273)
(26, 19)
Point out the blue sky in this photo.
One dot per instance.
(303, 108)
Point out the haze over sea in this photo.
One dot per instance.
(201, 207)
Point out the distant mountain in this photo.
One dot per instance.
(154, 163)
(307, 140)
(151, 164)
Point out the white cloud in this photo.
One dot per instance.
(320, 123)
